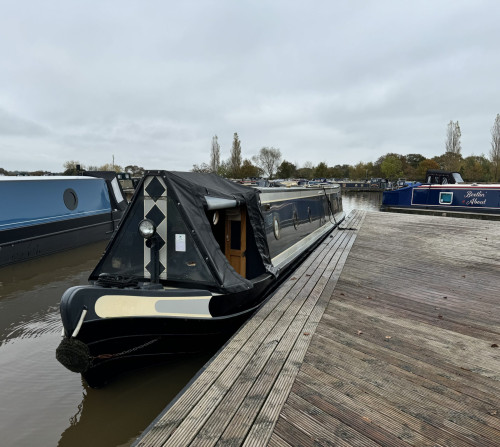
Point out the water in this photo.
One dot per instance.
(42, 403)
(369, 201)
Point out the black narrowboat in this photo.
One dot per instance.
(195, 255)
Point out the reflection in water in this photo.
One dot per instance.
(43, 403)
(369, 201)
(47, 404)
(117, 414)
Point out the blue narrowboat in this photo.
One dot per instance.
(194, 257)
(44, 215)
(445, 191)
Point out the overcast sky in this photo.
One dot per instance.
(151, 82)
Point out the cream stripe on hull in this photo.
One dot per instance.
(116, 306)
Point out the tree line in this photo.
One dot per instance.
(268, 162)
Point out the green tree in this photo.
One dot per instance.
(286, 170)
(321, 171)
(249, 170)
(235, 157)
(476, 169)
(268, 159)
(410, 166)
(361, 171)
(414, 160)
(392, 167)
(340, 171)
(224, 169)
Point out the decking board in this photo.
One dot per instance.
(383, 336)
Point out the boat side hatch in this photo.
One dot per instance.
(235, 239)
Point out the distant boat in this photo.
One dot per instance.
(444, 191)
(44, 215)
(194, 256)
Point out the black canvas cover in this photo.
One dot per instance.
(190, 188)
(186, 191)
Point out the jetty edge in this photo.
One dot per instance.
(195, 255)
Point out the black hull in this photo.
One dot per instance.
(151, 341)
(40, 240)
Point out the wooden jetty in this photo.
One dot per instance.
(387, 335)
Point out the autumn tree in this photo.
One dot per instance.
(453, 135)
(268, 159)
(249, 170)
(423, 167)
(110, 167)
(71, 167)
(215, 155)
(495, 149)
(134, 170)
(203, 168)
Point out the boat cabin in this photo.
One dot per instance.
(440, 177)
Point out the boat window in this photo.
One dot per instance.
(235, 235)
(70, 199)
(458, 178)
(445, 198)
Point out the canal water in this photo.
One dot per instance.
(42, 403)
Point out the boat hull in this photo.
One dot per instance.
(41, 240)
(120, 345)
(45, 215)
(474, 199)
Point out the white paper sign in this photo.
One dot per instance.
(180, 242)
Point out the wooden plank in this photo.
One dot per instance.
(187, 416)
(435, 381)
(263, 425)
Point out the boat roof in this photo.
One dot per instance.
(43, 178)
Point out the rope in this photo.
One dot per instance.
(108, 280)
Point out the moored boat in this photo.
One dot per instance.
(45, 215)
(445, 191)
(194, 257)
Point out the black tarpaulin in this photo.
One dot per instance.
(190, 189)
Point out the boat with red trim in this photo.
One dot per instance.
(445, 191)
